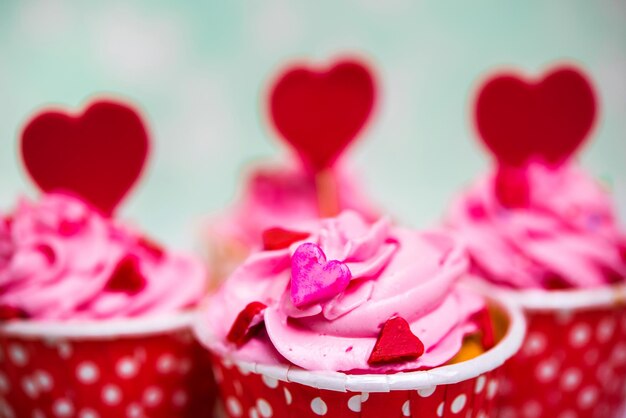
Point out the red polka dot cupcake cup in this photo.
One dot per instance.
(466, 389)
(573, 361)
(131, 368)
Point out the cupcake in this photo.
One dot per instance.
(540, 230)
(272, 195)
(317, 112)
(95, 316)
(351, 318)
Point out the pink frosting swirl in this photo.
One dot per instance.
(395, 271)
(566, 236)
(281, 196)
(61, 260)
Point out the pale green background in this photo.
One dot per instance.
(198, 67)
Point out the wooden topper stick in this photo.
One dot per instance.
(327, 193)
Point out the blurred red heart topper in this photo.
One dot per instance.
(547, 119)
(320, 112)
(97, 155)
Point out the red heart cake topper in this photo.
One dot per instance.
(97, 155)
(546, 120)
(320, 112)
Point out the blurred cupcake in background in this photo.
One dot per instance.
(540, 230)
(272, 195)
(318, 112)
(95, 315)
(352, 318)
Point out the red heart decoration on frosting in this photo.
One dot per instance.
(8, 312)
(319, 113)
(396, 343)
(247, 323)
(127, 277)
(279, 238)
(548, 119)
(97, 155)
(485, 324)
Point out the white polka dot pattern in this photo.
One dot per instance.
(319, 407)
(571, 379)
(18, 355)
(152, 396)
(134, 411)
(62, 408)
(29, 388)
(406, 409)
(480, 384)
(5, 385)
(111, 395)
(270, 382)
(127, 368)
(58, 378)
(458, 403)
(88, 413)
(233, 407)
(354, 403)
(288, 397)
(265, 396)
(425, 393)
(439, 410)
(573, 363)
(87, 372)
(581, 357)
(44, 380)
(264, 408)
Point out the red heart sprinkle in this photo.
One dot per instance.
(395, 343)
(320, 112)
(554, 281)
(68, 228)
(97, 155)
(544, 120)
(279, 238)
(8, 313)
(127, 277)
(487, 332)
(48, 253)
(611, 276)
(511, 187)
(152, 247)
(247, 324)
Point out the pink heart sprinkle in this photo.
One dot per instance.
(313, 279)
